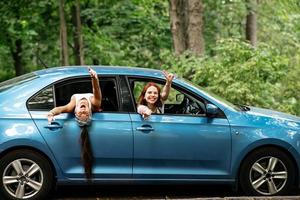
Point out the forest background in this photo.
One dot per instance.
(247, 51)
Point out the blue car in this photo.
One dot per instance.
(200, 138)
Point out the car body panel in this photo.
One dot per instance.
(18, 133)
(256, 128)
(184, 152)
(111, 144)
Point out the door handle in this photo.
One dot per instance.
(53, 125)
(145, 128)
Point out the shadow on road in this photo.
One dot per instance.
(142, 192)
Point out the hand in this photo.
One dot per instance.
(169, 76)
(50, 117)
(146, 113)
(93, 73)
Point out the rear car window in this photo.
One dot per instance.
(60, 94)
(44, 100)
(65, 90)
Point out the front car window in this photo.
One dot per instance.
(209, 93)
(178, 102)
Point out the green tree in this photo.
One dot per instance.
(242, 74)
(26, 33)
(126, 32)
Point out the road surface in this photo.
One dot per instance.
(156, 192)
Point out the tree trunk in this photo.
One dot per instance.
(186, 26)
(195, 41)
(78, 43)
(251, 24)
(96, 61)
(177, 20)
(17, 57)
(63, 35)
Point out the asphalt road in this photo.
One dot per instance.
(154, 192)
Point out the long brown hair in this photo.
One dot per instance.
(142, 100)
(86, 152)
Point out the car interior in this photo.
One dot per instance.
(64, 91)
(178, 102)
(44, 100)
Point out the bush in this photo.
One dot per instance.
(242, 74)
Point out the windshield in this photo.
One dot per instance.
(16, 81)
(212, 94)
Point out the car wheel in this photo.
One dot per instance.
(267, 171)
(25, 175)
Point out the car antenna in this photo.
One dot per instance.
(45, 66)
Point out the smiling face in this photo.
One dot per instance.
(151, 95)
(82, 111)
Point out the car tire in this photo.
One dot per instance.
(267, 172)
(25, 174)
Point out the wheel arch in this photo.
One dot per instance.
(281, 148)
(36, 150)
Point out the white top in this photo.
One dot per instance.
(86, 96)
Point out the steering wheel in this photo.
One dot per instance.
(192, 107)
(182, 108)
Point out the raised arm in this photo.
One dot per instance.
(97, 97)
(166, 90)
(61, 109)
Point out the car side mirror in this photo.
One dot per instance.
(211, 110)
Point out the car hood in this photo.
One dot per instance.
(273, 114)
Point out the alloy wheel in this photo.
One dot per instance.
(268, 175)
(22, 178)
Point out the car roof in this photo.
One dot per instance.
(69, 71)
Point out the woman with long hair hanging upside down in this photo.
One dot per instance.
(83, 105)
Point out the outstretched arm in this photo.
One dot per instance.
(166, 90)
(97, 98)
(61, 109)
(144, 111)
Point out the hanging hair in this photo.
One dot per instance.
(142, 100)
(86, 152)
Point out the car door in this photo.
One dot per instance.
(182, 143)
(110, 131)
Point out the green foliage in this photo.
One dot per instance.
(5, 71)
(137, 33)
(126, 32)
(289, 93)
(30, 22)
(279, 25)
(243, 75)
(223, 19)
